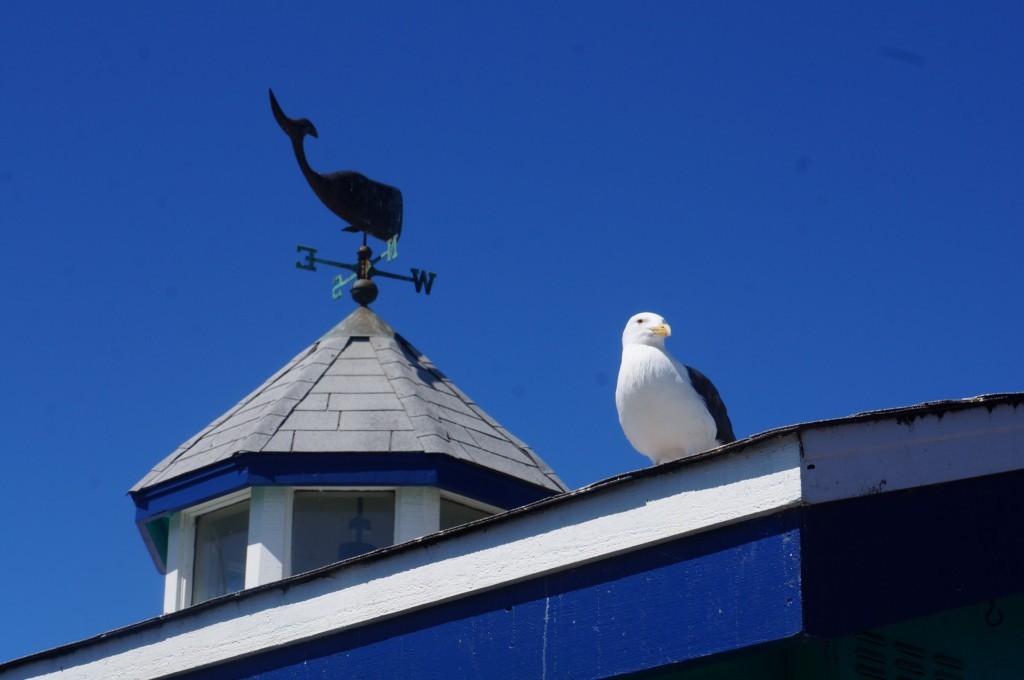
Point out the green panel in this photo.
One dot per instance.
(980, 641)
(158, 531)
(766, 666)
(799, 661)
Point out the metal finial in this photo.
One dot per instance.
(364, 291)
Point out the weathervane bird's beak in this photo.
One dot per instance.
(662, 329)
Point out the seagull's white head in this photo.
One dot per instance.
(646, 328)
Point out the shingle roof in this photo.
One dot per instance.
(361, 388)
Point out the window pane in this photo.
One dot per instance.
(453, 514)
(222, 537)
(328, 526)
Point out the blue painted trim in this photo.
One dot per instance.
(734, 588)
(340, 470)
(260, 469)
(202, 485)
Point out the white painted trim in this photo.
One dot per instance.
(472, 503)
(268, 554)
(176, 559)
(181, 585)
(678, 501)
(859, 458)
(417, 512)
(187, 561)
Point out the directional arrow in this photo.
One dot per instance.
(365, 268)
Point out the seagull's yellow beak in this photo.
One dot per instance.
(662, 329)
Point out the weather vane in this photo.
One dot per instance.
(371, 207)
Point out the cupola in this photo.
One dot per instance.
(358, 443)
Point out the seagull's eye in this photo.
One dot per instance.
(640, 321)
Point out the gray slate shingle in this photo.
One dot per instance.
(361, 388)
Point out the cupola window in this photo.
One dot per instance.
(222, 537)
(328, 526)
(453, 513)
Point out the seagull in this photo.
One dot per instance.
(368, 206)
(667, 410)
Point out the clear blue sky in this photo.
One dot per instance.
(825, 200)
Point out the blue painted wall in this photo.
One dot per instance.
(737, 587)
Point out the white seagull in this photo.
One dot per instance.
(667, 410)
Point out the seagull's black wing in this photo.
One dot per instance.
(714, 403)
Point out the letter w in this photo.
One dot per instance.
(422, 279)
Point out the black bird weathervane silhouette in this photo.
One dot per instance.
(367, 206)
